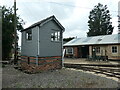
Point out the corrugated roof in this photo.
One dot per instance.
(104, 39)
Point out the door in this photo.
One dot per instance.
(85, 51)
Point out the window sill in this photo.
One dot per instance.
(69, 53)
(115, 53)
(56, 41)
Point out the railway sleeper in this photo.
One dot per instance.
(116, 73)
(117, 76)
(109, 74)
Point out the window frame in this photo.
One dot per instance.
(114, 49)
(28, 35)
(56, 36)
(67, 50)
(97, 50)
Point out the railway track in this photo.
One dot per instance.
(108, 70)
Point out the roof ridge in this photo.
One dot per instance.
(39, 22)
(43, 20)
(104, 39)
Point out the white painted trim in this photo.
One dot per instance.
(45, 22)
(58, 23)
(38, 47)
(62, 50)
(38, 40)
(67, 50)
(54, 20)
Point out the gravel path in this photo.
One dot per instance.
(62, 78)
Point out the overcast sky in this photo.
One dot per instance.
(72, 14)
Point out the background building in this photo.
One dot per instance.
(101, 47)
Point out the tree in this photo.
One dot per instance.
(99, 21)
(68, 39)
(8, 30)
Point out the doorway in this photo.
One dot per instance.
(84, 51)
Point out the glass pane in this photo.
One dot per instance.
(29, 35)
(26, 35)
(52, 36)
(58, 36)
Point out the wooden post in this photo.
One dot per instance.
(15, 34)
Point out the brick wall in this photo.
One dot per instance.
(44, 63)
(76, 52)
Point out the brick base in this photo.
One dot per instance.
(44, 63)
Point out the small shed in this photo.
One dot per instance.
(104, 46)
(42, 44)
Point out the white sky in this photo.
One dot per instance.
(72, 14)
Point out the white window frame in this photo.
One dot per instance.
(29, 35)
(114, 50)
(55, 36)
(67, 50)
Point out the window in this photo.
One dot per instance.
(52, 37)
(29, 35)
(114, 49)
(69, 50)
(55, 36)
(97, 49)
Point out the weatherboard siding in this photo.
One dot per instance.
(29, 47)
(48, 47)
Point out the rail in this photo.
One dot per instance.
(108, 70)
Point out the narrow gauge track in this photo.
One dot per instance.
(108, 70)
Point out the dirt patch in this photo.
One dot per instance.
(62, 78)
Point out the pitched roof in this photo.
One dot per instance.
(104, 39)
(42, 22)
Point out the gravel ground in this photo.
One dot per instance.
(62, 78)
(84, 61)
